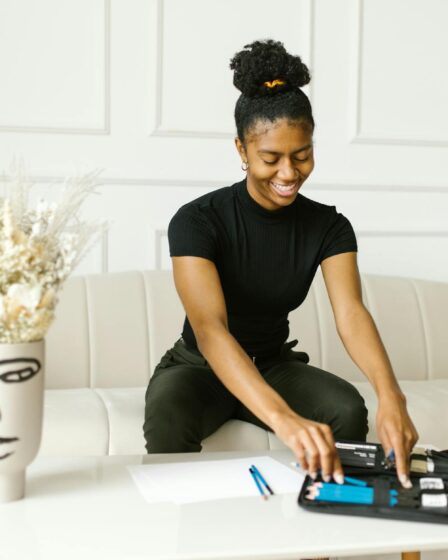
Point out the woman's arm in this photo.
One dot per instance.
(199, 288)
(362, 341)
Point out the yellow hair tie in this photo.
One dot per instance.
(274, 83)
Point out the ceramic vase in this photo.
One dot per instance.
(21, 411)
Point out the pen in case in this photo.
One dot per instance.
(349, 479)
(356, 496)
(346, 494)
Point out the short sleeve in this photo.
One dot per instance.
(339, 236)
(190, 233)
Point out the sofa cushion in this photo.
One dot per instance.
(236, 435)
(426, 403)
(126, 409)
(110, 421)
(75, 423)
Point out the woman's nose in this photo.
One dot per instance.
(287, 172)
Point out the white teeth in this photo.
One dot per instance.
(284, 187)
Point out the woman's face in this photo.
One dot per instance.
(280, 159)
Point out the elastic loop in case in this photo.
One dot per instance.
(381, 496)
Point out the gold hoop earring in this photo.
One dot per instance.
(245, 168)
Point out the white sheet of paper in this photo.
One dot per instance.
(197, 481)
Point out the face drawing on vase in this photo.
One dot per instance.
(19, 411)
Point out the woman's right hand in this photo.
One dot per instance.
(312, 443)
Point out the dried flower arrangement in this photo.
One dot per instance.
(39, 248)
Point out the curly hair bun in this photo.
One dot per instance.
(266, 61)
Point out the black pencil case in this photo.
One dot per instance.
(426, 501)
(369, 456)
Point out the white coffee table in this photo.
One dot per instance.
(85, 508)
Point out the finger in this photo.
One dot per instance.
(415, 438)
(401, 461)
(387, 445)
(311, 452)
(325, 452)
(409, 442)
(299, 451)
(336, 470)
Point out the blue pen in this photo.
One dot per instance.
(337, 489)
(260, 476)
(390, 458)
(355, 481)
(349, 479)
(350, 497)
(389, 461)
(263, 495)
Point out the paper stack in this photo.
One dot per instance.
(197, 481)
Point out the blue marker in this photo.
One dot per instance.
(260, 476)
(337, 493)
(355, 481)
(391, 455)
(338, 490)
(260, 489)
(349, 479)
(357, 497)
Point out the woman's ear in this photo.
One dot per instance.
(241, 150)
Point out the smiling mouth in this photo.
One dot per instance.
(285, 190)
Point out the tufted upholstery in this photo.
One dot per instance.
(111, 330)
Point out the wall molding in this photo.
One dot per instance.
(358, 137)
(104, 240)
(311, 47)
(159, 130)
(159, 236)
(105, 128)
(402, 233)
(213, 183)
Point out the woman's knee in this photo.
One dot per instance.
(171, 423)
(324, 397)
(183, 406)
(351, 415)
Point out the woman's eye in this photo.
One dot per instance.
(296, 159)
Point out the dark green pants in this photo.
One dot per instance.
(186, 401)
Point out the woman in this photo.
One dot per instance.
(244, 256)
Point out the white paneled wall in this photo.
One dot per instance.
(55, 67)
(143, 90)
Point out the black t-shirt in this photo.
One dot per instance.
(266, 259)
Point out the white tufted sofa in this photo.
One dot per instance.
(111, 329)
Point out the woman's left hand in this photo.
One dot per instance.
(396, 431)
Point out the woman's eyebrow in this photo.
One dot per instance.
(277, 153)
